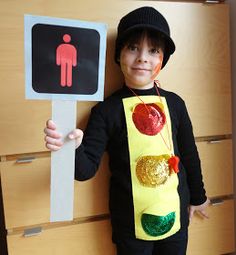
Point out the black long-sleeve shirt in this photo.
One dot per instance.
(106, 130)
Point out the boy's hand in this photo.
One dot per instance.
(53, 137)
(200, 209)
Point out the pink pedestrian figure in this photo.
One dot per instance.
(66, 57)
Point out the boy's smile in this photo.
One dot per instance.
(140, 63)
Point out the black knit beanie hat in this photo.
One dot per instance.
(144, 17)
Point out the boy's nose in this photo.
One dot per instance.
(142, 56)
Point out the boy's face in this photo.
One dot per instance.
(140, 64)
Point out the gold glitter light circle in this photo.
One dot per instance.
(153, 171)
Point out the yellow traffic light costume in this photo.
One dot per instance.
(154, 182)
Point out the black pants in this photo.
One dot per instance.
(173, 245)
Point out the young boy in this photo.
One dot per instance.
(156, 182)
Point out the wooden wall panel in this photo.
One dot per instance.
(22, 122)
(199, 70)
(91, 197)
(88, 238)
(26, 193)
(217, 165)
(206, 237)
(25, 189)
(214, 235)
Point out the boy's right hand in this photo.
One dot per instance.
(53, 138)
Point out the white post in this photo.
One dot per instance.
(63, 163)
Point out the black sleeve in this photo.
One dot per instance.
(190, 159)
(89, 153)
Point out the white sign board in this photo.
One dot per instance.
(64, 59)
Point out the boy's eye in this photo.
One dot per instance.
(132, 47)
(154, 51)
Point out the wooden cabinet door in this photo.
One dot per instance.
(208, 237)
(22, 121)
(25, 189)
(217, 167)
(88, 238)
(214, 235)
(199, 70)
(26, 193)
(91, 197)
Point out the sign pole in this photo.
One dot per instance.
(63, 162)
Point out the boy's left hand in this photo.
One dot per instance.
(200, 209)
